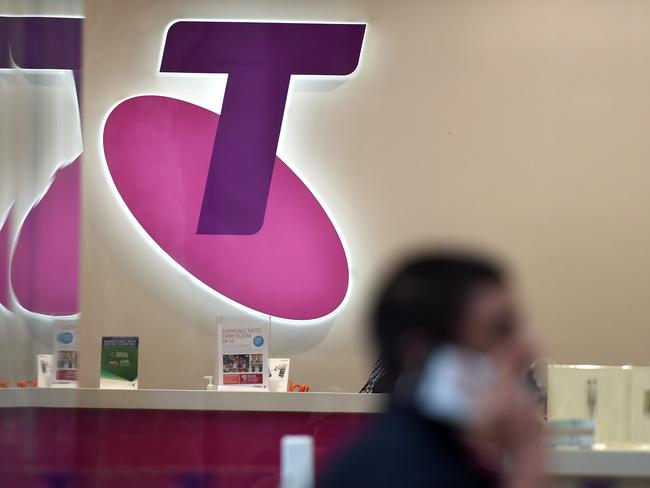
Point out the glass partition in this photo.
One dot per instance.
(201, 201)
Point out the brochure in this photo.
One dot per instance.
(242, 361)
(66, 356)
(279, 374)
(119, 363)
(43, 370)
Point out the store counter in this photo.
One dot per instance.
(166, 438)
(176, 438)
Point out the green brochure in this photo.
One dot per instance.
(119, 363)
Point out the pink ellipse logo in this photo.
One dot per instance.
(158, 152)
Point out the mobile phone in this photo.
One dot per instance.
(452, 384)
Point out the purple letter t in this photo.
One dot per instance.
(259, 59)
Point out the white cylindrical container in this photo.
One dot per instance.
(297, 462)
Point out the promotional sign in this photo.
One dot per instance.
(119, 363)
(279, 374)
(66, 356)
(243, 354)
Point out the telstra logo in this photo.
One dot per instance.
(208, 188)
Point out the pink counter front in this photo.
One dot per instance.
(98, 438)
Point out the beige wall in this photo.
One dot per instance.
(521, 126)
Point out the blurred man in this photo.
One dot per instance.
(449, 333)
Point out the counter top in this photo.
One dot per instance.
(191, 400)
(603, 461)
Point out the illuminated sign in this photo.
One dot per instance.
(207, 188)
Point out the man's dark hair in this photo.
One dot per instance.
(426, 296)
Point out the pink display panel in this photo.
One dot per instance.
(45, 265)
(158, 448)
(4, 263)
(158, 151)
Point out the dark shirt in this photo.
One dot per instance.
(404, 449)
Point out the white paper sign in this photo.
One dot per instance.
(279, 374)
(43, 370)
(243, 354)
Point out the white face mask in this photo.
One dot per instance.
(452, 385)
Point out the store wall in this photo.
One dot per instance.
(517, 126)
